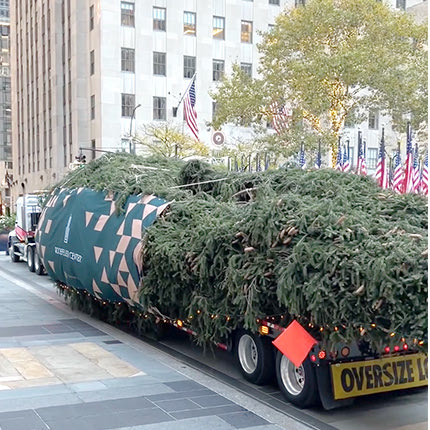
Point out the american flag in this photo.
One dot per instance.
(361, 161)
(407, 181)
(345, 160)
(397, 184)
(339, 159)
(318, 159)
(189, 110)
(425, 175)
(381, 173)
(416, 172)
(280, 116)
(302, 159)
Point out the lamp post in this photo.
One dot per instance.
(131, 147)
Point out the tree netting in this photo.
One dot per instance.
(332, 250)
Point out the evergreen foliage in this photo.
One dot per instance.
(345, 258)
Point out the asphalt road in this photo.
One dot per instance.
(401, 410)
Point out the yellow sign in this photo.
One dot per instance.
(376, 376)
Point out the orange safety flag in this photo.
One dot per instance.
(295, 343)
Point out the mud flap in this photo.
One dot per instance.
(325, 389)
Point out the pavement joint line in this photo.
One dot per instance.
(283, 419)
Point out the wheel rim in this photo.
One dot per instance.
(292, 377)
(36, 263)
(29, 262)
(248, 354)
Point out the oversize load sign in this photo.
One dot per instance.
(376, 376)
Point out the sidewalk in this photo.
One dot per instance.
(62, 370)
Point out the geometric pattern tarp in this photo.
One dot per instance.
(84, 243)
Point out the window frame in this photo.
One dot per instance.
(159, 68)
(92, 63)
(159, 112)
(157, 23)
(127, 108)
(189, 71)
(247, 68)
(243, 38)
(128, 62)
(190, 27)
(217, 73)
(93, 107)
(372, 155)
(373, 119)
(91, 17)
(127, 14)
(221, 34)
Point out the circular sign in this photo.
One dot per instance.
(218, 138)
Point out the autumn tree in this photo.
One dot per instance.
(330, 61)
(167, 140)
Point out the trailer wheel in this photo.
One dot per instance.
(15, 258)
(297, 384)
(254, 354)
(38, 266)
(30, 258)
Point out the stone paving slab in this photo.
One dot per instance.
(61, 370)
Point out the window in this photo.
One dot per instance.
(159, 63)
(218, 27)
(274, 2)
(300, 2)
(246, 32)
(91, 17)
(247, 68)
(214, 109)
(373, 119)
(372, 158)
(93, 107)
(401, 4)
(159, 108)
(159, 18)
(92, 66)
(127, 60)
(93, 146)
(190, 23)
(217, 69)
(189, 66)
(127, 14)
(127, 104)
(351, 156)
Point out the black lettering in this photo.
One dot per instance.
(426, 367)
(377, 375)
(359, 377)
(369, 377)
(387, 374)
(396, 376)
(347, 380)
(410, 370)
(401, 365)
(421, 375)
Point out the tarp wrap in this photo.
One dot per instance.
(85, 243)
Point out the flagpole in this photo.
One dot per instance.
(183, 95)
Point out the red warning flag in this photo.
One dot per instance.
(295, 343)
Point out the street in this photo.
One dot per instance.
(117, 378)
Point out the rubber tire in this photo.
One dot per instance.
(265, 368)
(15, 258)
(30, 258)
(38, 266)
(309, 394)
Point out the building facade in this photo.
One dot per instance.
(88, 73)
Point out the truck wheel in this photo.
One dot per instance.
(254, 354)
(297, 384)
(38, 266)
(30, 258)
(15, 258)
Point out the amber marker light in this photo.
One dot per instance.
(344, 351)
(179, 323)
(264, 330)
